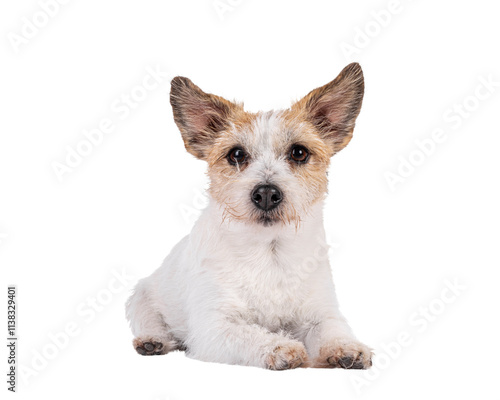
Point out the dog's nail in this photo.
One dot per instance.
(149, 346)
(346, 362)
(141, 350)
(285, 365)
(158, 345)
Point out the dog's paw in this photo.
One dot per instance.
(287, 356)
(344, 353)
(149, 347)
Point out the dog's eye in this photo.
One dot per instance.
(299, 154)
(237, 156)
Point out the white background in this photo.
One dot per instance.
(137, 193)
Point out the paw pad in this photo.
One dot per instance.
(350, 362)
(346, 354)
(149, 348)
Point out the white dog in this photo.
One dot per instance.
(251, 284)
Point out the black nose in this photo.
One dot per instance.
(266, 197)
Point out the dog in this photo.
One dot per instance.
(251, 284)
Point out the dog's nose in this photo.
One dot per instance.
(266, 197)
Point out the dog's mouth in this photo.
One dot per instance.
(267, 220)
(284, 214)
(272, 217)
(281, 215)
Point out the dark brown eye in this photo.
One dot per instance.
(299, 154)
(237, 156)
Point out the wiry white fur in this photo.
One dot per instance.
(244, 293)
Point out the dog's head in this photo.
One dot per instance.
(269, 167)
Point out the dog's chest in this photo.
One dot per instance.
(270, 281)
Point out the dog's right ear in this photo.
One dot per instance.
(200, 116)
(333, 108)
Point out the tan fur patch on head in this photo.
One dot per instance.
(312, 174)
(222, 174)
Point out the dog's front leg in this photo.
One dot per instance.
(238, 342)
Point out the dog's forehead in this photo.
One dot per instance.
(269, 132)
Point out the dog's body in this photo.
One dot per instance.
(251, 284)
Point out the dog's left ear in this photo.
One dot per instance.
(201, 117)
(333, 108)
